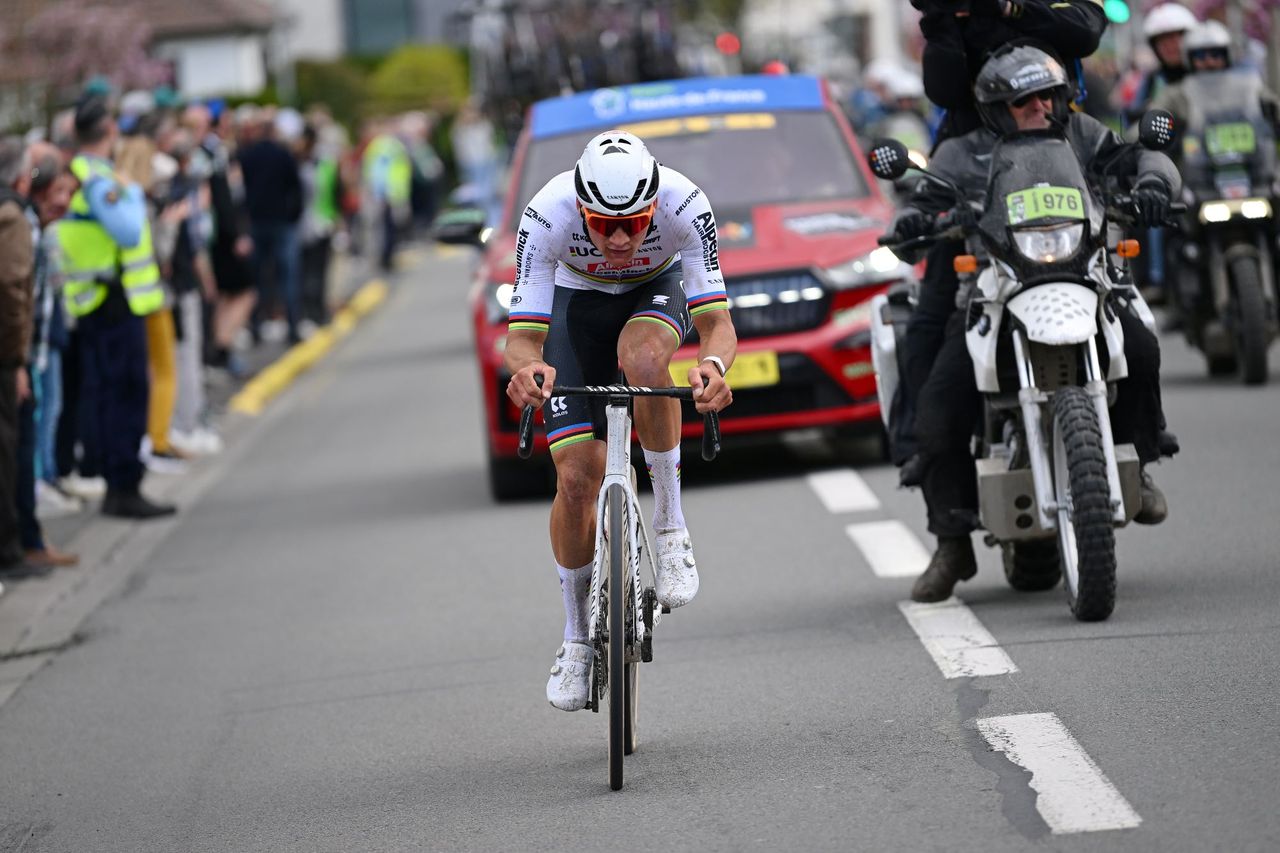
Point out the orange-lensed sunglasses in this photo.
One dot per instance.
(632, 223)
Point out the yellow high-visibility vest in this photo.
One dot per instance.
(93, 262)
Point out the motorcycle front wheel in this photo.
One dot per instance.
(1251, 318)
(1086, 537)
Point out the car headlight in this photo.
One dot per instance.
(497, 302)
(1047, 245)
(878, 266)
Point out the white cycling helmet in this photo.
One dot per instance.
(616, 174)
(1168, 18)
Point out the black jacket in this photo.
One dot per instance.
(956, 46)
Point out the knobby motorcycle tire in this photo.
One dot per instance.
(1032, 566)
(1077, 423)
(617, 501)
(1251, 320)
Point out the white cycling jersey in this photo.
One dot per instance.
(553, 250)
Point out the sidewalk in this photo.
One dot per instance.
(39, 617)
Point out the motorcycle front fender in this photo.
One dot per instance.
(1058, 313)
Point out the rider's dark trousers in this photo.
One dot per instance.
(949, 408)
(935, 302)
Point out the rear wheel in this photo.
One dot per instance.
(616, 643)
(1251, 320)
(1086, 537)
(1032, 566)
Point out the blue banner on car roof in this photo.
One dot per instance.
(604, 108)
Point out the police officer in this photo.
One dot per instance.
(111, 283)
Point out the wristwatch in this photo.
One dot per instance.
(715, 359)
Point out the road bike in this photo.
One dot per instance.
(620, 630)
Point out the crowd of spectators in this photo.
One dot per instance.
(238, 213)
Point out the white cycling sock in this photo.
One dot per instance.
(575, 586)
(664, 473)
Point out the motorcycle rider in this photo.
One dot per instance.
(1165, 26)
(1022, 90)
(959, 36)
(1206, 50)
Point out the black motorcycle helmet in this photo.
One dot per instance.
(1012, 73)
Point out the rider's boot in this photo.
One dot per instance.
(953, 561)
(1155, 508)
(677, 580)
(570, 682)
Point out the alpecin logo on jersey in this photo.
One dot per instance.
(629, 265)
(705, 225)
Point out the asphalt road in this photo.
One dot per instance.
(342, 644)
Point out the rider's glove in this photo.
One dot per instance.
(1151, 199)
(911, 223)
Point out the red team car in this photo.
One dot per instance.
(798, 215)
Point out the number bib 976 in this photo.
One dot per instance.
(1043, 203)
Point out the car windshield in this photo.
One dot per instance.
(740, 159)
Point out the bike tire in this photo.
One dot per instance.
(1251, 320)
(1032, 566)
(616, 501)
(1086, 534)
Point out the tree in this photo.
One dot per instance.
(420, 77)
(341, 86)
(74, 40)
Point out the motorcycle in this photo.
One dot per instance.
(1224, 282)
(1043, 288)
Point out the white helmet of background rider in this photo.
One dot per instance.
(616, 174)
(1168, 18)
(1208, 37)
(904, 85)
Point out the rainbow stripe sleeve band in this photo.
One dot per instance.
(716, 300)
(529, 321)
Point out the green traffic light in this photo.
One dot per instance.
(1117, 11)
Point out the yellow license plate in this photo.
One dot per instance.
(749, 370)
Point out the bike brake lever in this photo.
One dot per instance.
(525, 448)
(710, 435)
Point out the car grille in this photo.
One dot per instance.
(777, 304)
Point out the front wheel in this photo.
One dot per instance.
(1086, 537)
(617, 633)
(1251, 320)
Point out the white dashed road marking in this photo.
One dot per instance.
(958, 642)
(1074, 795)
(890, 548)
(842, 490)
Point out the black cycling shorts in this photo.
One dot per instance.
(582, 345)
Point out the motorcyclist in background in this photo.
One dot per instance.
(904, 120)
(1164, 28)
(1022, 90)
(959, 36)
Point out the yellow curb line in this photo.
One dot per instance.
(263, 388)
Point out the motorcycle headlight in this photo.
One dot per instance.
(878, 266)
(497, 302)
(1047, 245)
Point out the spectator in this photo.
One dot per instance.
(273, 197)
(476, 157)
(17, 265)
(50, 196)
(388, 178)
(231, 246)
(322, 191)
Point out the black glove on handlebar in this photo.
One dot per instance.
(1151, 200)
(911, 223)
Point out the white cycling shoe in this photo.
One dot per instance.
(570, 683)
(677, 581)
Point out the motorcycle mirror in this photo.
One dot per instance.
(888, 159)
(1156, 131)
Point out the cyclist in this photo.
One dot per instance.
(615, 260)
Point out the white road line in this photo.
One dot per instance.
(1074, 795)
(890, 547)
(958, 642)
(842, 490)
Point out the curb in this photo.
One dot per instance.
(271, 381)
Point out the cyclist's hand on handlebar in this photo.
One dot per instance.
(524, 390)
(710, 392)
